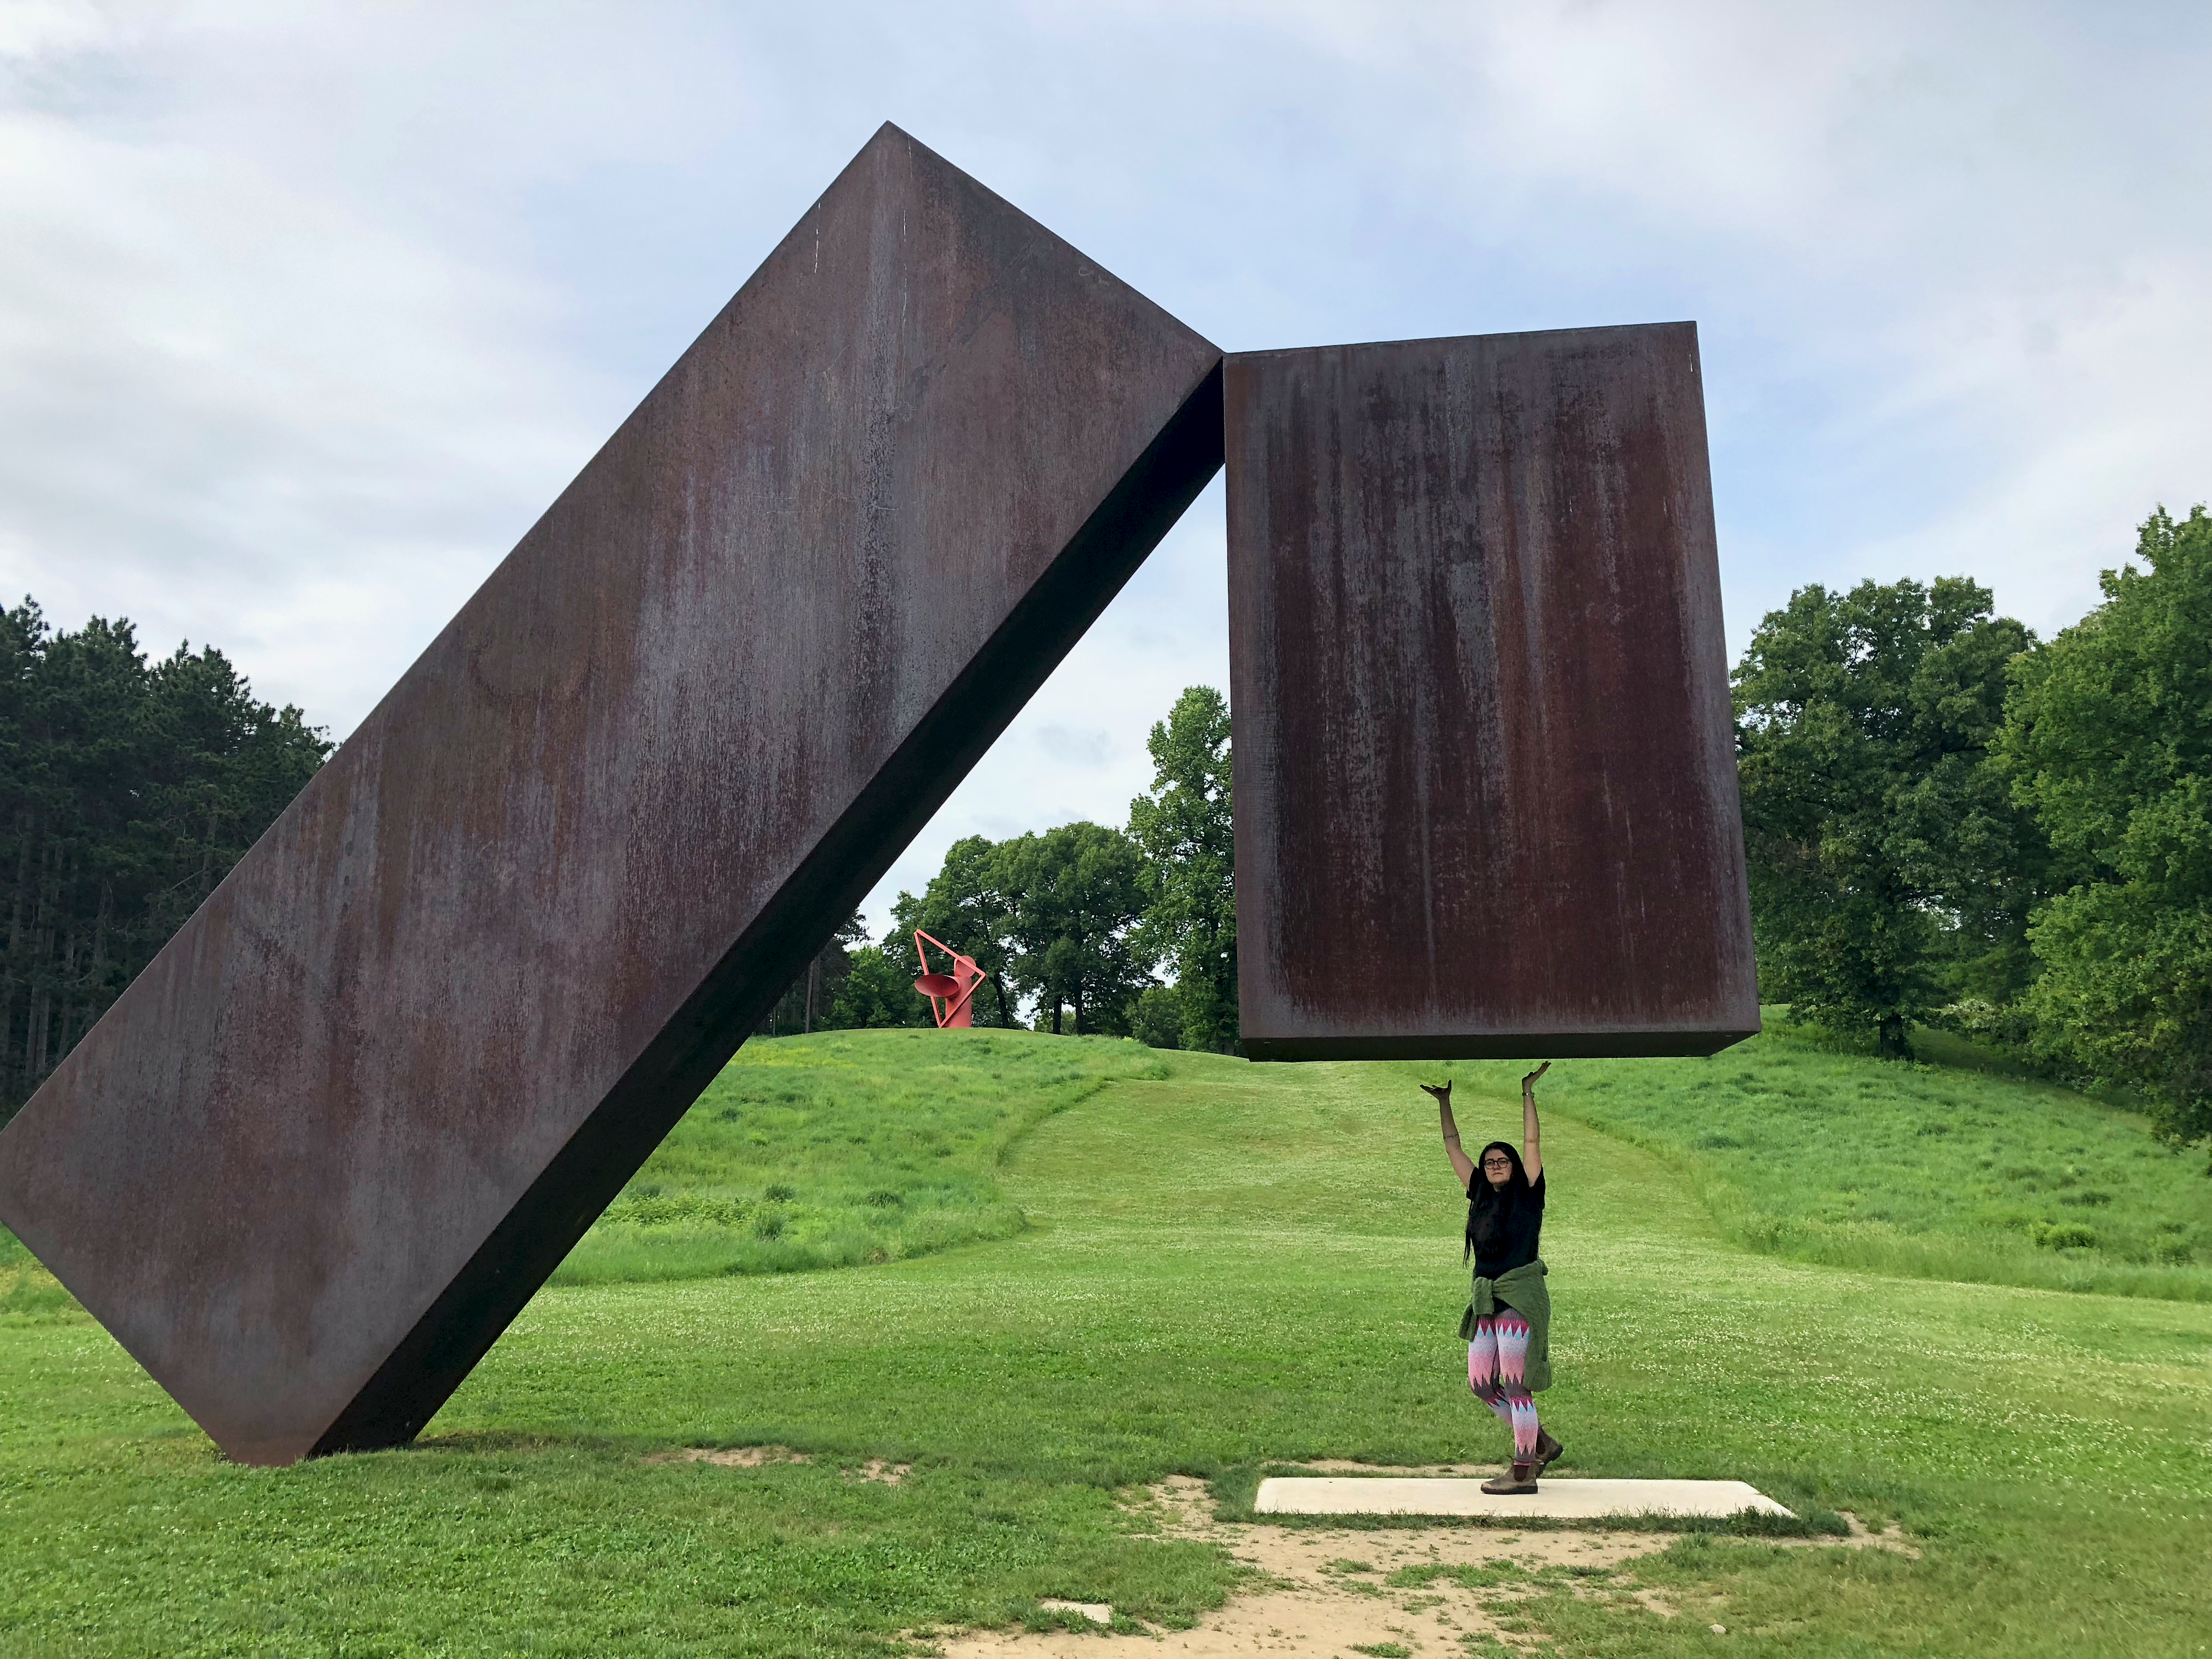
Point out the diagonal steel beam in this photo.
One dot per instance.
(320, 1153)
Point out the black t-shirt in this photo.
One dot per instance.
(1513, 1243)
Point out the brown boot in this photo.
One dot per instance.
(1516, 1479)
(1548, 1450)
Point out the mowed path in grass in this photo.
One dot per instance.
(1230, 1265)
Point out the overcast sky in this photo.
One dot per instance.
(307, 313)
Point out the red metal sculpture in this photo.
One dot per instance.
(951, 996)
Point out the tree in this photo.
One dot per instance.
(1183, 825)
(964, 908)
(1891, 869)
(1073, 898)
(2109, 735)
(127, 790)
(877, 991)
(1156, 1018)
(809, 1002)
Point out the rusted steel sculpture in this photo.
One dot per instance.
(1485, 770)
(318, 1154)
(323, 1149)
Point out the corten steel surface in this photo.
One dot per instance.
(318, 1154)
(1485, 778)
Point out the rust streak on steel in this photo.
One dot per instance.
(1485, 791)
(320, 1153)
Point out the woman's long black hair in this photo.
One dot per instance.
(1487, 1206)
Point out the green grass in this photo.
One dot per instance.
(1225, 1265)
(1923, 1170)
(843, 1148)
(28, 1290)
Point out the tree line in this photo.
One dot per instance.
(1949, 823)
(128, 788)
(1953, 824)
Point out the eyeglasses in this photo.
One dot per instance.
(1498, 1163)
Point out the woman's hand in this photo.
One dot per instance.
(1532, 1139)
(1461, 1166)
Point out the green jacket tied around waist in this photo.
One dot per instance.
(1522, 1291)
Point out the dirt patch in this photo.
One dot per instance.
(1891, 1537)
(757, 1457)
(735, 1457)
(1331, 1594)
(1327, 1593)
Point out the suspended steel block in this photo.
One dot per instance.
(1486, 789)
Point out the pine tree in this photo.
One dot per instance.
(127, 791)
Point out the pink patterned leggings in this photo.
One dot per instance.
(1496, 1360)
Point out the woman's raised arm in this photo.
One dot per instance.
(1463, 1165)
(1531, 1140)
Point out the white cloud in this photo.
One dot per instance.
(245, 411)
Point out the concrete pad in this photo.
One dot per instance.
(1553, 1500)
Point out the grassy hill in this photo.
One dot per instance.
(1219, 1266)
(1931, 1171)
(842, 1148)
(854, 1147)
(27, 1290)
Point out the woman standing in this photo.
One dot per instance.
(1507, 1324)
